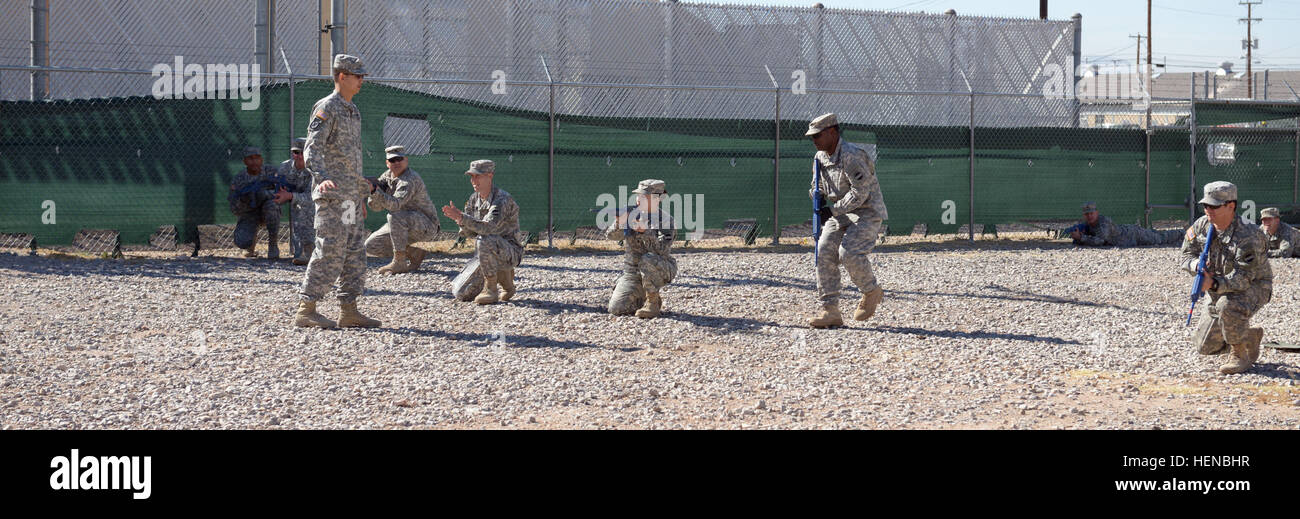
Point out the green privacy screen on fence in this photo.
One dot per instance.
(134, 164)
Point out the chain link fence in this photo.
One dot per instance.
(575, 99)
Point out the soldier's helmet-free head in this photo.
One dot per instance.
(250, 151)
(298, 144)
(350, 64)
(650, 186)
(822, 122)
(1219, 193)
(1089, 207)
(393, 152)
(1269, 212)
(481, 167)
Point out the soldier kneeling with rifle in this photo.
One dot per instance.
(255, 199)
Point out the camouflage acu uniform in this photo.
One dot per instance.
(849, 184)
(1238, 262)
(494, 226)
(1284, 244)
(302, 210)
(1106, 232)
(411, 215)
(253, 210)
(333, 152)
(648, 264)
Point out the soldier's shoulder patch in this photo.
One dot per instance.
(320, 114)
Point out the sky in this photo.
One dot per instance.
(1191, 35)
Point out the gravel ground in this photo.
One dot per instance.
(998, 334)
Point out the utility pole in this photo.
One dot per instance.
(1150, 77)
(1249, 44)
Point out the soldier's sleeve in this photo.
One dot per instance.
(463, 232)
(1249, 259)
(1190, 255)
(665, 240)
(812, 186)
(318, 132)
(495, 221)
(1286, 246)
(862, 182)
(1098, 237)
(382, 199)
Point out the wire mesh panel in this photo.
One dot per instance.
(1260, 161)
(129, 163)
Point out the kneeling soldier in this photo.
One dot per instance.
(1237, 278)
(1283, 240)
(491, 218)
(411, 217)
(647, 234)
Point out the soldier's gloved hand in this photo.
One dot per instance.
(282, 196)
(825, 214)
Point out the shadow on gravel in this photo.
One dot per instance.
(1275, 370)
(1021, 295)
(768, 281)
(493, 339)
(554, 307)
(950, 334)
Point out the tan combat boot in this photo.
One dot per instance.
(416, 255)
(507, 280)
(829, 317)
(1238, 361)
(397, 266)
(307, 316)
(867, 307)
(1252, 344)
(653, 303)
(349, 317)
(489, 293)
(250, 252)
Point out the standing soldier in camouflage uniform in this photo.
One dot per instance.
(411, 216)
(852, 214)
(1098, 231)
(333, 155)
(491, 217)
(1283, 240)
(302, 212)
(647, 235)
(1237, 278)
(260, 207)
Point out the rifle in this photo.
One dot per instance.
(817, 210)
(1198, 286)
(374, 182)
(267, 182)
(1081, 227)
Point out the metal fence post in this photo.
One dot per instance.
(1191, 201)
(1146, 206)
(776, 173)
(972, 167)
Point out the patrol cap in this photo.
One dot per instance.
(649, 186)
(481, 167)
(350, 64)
(1269, 212)
(822, 122)
(1089, 207)
(249, 151)
(1219, 193)
(298, 144)
(395, 151)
